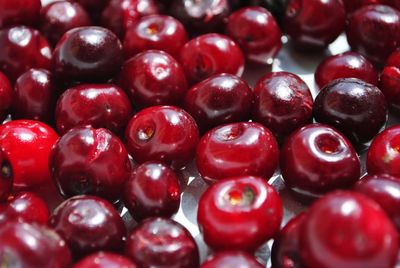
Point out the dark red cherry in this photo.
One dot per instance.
(283, 102)
(239, 213)
(257, 32)
(230, 150)
(6, 176)
(17, 12)
(354, 107)
(155, 32)
(86, 160)
(347, 229)
(105, 260)
(88, 224)
(207, 55)
(374, 31)
(23, 48)
(390, 81)
(220, 99)
(93, 6)
(88, 54)
(6, 94)
(162, 133)
(392, 3)
(99, 105)
(232, 259)
(160, 242)
(153, 78)
(353, 5)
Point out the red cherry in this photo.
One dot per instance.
(6, 176)
(239, 213)
(17, 12)
(353, 5)
(232, 259)
(230, 150)
(390, 81)
(105, 260)
(93, 6)
(5, 96)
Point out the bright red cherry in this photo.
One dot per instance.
(89, 224)
(207, 55)
(160, 242)
(6, 93)
(23, 48)
(6, 176)
(17, 12)
(220, 99)
(27, 145)
(105, 260)
(232, 259)
(162, 133)
(239, 213)
(230, 150)
(153, 78)
(353, 5)
(347, 229)
(283, 102)
(99, 105)
(390, 81)
(257, 32)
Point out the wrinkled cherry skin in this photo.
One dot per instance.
(88, 54)
(353, 5)
(314, 24)
(390, 81)
(61, 16)
(230, 150)
(249, 204)
(153, 78)
(86, 160)
(152, 190)
(99, 105)
(162, 133)
(6, 176)
(356, 108)
(159, 242)
(257, 32)
(17, 12)
(374, 31)
(105, 260)
(6, 94)
(220, 99)
(88, 224)
(30, 164)
(207, 55)
(283, 102)
(23, 48)
(347, 229)
(155, 32)
(232, 259)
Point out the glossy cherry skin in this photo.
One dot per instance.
(23, 48)
(153, 78)
(155, 32)
(30, 164)
(89, 54)
(220, 99)
(88, 224)
(232, 259)
(257, 32)
(162, 133)
(249, 204)
(162, 243)
(390, 81)
(374, 31)
(356, 108)
(353, 5)
(230, 150)
(347, 229)
(17, 12)
(283, 102)
(105, 260)
(314, 24)
(86, 160)
(100, 105)
(207, 55)
(6, 94)
(6, 176)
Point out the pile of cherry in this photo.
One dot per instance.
(104, 102)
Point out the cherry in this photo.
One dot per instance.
(232, 259)
(283, 102)
(390, 81)
(257, 32)
(5, 96)
(230, 150)
(58, 17)
(90, 161)
(160, 242)
(87, 54)
(314, 24)
(207, 55)
(88, 224)
(374, 31)
(162, 133)
(353, 5)
(239, 213)
(356, 108)
(346, 229)
(6, 176)
(23, 48)
(155, 32)
(24, 206)
(93, 6)
(17, 12)
(152, 190)
(220, 99)
(153, 78)
(27, 145)
(100, 105)
(105, 260)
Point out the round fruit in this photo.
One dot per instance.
(232, 259)
(105, 260)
